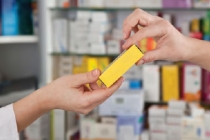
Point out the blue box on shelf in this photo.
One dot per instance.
(9, 17)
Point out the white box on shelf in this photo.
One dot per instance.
(175, 112)
(83, 3)
(113, 47)
(158, 136)
(96, 48)
(82, 47)
(96, 38)
(150, 3)
(33, 131)
(129, 127)
(117, 34)
(134, 73)
(58, 124)
(192, 128)
(96, 3)
(156, 127)
(173, 120)
(60, 35)
(99, 27)
(109, 120)
(151, 82)
(87, 129)
(105, 131)
(201, 3)
(157, 120)
(120, 3)
(156, 111)
(144, 135)
(173, 104)
(207, 121)
(123, 102)
(84, 15)
(174, 132)
(102, 16)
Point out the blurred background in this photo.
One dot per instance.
(46, 39)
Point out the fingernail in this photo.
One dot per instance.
(95, 72)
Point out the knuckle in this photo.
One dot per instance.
(88, 76)
(138, 11)
(149, 58)
(166, 24)
(108, 93)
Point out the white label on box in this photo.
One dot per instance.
(151, 82)
(125, 103)
(126, 133)
(192, 78)
(105, 131)
(113, 47)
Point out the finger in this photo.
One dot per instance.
(94, 86)
(86, 78)
(151, 56)
(150, 31)
(100, 95)
(137, 17)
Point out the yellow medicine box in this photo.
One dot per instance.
(120, 65)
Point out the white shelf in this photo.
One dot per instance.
(18, 39)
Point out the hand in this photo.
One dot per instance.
(71, 93)
(171, 44)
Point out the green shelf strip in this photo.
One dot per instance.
(126, 9)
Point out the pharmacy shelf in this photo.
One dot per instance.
(127, 9)
(93, 55)
(18, 39)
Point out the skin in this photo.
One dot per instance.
(69, 93)
(171, 44)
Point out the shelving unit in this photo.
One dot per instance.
(126, 9)
(18, 39)
(47, 41)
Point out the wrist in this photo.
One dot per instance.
(45, 102)
(189, 49)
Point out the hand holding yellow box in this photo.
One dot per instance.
(119, 66)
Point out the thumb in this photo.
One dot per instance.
(86, 78)
(150, 56)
